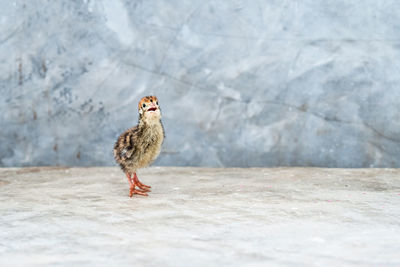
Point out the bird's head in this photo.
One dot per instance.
(149, 110)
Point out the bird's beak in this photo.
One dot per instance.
(152, 107)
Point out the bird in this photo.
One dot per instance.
(140, 145)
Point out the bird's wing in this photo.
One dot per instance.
(124, 148)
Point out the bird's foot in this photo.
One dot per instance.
(143, 185)
(133, 190)
(145, 188)
(139, 184)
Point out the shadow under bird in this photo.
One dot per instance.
(139, 146)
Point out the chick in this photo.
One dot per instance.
(139, 146)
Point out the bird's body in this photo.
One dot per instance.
(139, 146)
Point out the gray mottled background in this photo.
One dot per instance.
(241, 83)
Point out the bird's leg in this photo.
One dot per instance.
(132, 189)
(139, 184)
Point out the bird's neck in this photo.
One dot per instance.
(149, 122)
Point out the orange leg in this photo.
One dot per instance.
(139, 184)
(132, 185)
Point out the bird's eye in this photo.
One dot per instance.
(157, 103)
(144, 105)
(151, 100)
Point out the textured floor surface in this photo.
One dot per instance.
(200, 217)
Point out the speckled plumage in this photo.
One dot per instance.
(139, 146)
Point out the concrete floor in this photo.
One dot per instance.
(200, 217)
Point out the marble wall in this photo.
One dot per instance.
(241, 83)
